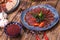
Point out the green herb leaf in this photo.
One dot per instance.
(41, 14)
(35, 15)
(39, 17)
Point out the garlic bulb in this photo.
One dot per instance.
(3, 20)
(3, 15)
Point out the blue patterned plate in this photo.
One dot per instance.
(53, 10)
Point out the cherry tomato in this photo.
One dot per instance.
(36, 24)
(42, 24)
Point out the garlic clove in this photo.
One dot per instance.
(3, 22)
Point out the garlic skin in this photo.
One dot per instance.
(3, 20)
(3, 15)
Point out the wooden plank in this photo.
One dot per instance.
(52, 0)
(3, 37)
(50, 3)
(13, 14)
(58, 7)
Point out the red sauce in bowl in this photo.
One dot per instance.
(13, 29)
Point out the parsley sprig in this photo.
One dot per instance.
(39, 17)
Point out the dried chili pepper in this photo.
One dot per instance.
(45, 36)
(37, 37)
(3, 6)
(0, 9)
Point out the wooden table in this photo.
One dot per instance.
(53, 34)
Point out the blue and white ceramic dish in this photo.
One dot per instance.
(52, 9)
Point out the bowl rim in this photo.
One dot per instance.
(14, 8)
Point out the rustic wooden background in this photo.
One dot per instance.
(53, 34)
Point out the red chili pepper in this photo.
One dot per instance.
(37, 37)
(3, 7)
(9, 0)
(45, 36)
(0, 9)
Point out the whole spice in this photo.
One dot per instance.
(45, 36)
(13, 29)
(37, 37)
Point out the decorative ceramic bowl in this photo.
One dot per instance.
(5, 29)
(9, 5)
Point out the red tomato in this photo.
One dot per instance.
(42, 24)
(36, 24)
